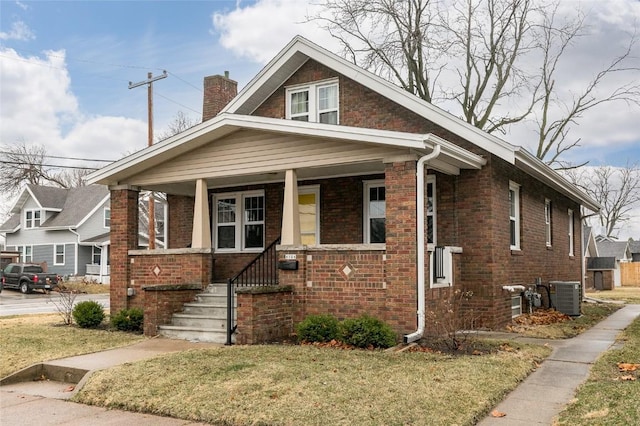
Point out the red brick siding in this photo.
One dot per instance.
(159, 306)
(184, 268)
(180, 220)
(124, 236)
(265, 317)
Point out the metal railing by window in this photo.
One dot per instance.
(261, 271)
(438, 263)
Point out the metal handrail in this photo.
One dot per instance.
(261, 271)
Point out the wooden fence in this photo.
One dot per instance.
(630, 274)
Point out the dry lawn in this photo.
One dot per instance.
(611, 395)
(620, 294)
(84, 287)
(307, 385)
(29, 339)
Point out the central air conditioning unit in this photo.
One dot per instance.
(566, 296)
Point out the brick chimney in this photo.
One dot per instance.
(218, 92)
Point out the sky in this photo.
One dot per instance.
(65, 68)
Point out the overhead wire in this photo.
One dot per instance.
(55, 156)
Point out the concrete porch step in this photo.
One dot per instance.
(212, 299)
(206, 309)
(200, 321)
(194, 334)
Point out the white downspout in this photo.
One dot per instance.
(408, 338)
(75, 263)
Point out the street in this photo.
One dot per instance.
(12, 302)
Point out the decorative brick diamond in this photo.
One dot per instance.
(156, 270)
(347, 271)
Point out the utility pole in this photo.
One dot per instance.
(152, 201)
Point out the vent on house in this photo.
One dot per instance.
(566, 296)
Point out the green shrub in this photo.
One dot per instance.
(366, 331)
(88, 314)
(318, 328)
(128, 320)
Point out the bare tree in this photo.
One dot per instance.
(553, 133)
(24, 163)
(180, 123)
(492, 47)
(617, 189)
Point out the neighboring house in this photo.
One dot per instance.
(634, 247)
(590, 248)
(66, 228)
(373, 200)
(606, 268)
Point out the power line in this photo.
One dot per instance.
(47, 165)
(177, 103)
(57, 157)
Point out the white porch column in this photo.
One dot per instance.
(201, 235)
(290, 215)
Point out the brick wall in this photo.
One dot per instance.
(180, 220)
(162, 301)
(124, 236)
(264, 314)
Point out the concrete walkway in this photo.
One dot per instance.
(545, 393)
(534, 402)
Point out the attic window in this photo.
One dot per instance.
(32, 219)
(316, 102)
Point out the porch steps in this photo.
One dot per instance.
(203, 320)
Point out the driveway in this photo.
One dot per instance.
(12, 302)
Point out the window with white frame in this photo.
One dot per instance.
(571, 248)
(27, 257)
(96, 254)
(431, 210)
(309, 211)
(239, 221)
(514, 215)
(32, 219)
(374, 212)
(58, 254)
(316, 102)
(440, 267)
(107, 217)
(516, 306)
(547, 221)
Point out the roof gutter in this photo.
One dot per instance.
(408, 338)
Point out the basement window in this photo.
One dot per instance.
(516, 306)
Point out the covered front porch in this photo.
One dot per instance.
(344, 205)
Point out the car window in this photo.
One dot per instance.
(33, 269)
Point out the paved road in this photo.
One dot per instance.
(12, 302)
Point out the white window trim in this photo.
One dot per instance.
(516, 311)
(93, 254)
(55, 254)
(104, 218)
(431, 180)
(312, 88)
(239, 223)
(313, 189)
(30, 223)
(571, 233)
(516, 218)
(547, 222)
(365, 202)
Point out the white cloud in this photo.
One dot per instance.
(259, 31)
(19, 31)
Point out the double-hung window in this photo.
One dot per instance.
(374, 212)
(571, 248)
(547, 221)
(316, 102)
(107, 217)
(431, 210)
(32, 219)
(514, 215)
(96, 254)
(239, 221)
(58, 254)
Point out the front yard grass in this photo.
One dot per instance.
(29, 339)
(611, 394)
(308, 385)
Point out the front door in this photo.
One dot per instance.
(309, 210)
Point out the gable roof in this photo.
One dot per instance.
(300, 50)
(71, 206)
(634, 246)
(617, 249)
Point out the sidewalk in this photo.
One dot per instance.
(544, 394)
(536, 401)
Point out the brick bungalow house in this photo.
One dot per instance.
(379, 203)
